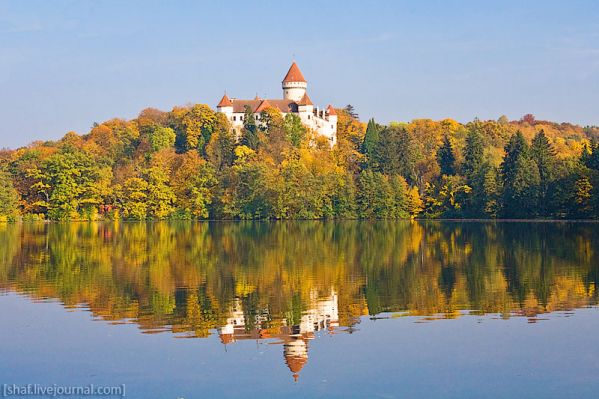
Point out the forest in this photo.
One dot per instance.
(190, 164)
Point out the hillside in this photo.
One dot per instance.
(187, 163)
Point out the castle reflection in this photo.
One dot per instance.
(322, 315)
(289, 282)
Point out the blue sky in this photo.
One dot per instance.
(67, 64)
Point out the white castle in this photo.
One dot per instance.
(295, 100)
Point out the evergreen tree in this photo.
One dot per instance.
(249, 135)
(396, 153)
(351, 111)
(520, 175)
(219, 150)
(371, 139)
(446, 157)
(592, 159)
(543, 154)
(473, 155)
(585, 155)
(475, 170)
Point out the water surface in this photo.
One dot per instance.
(303, 309)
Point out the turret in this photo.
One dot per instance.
(294, 84)
(225, 105)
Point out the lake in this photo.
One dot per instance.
(360, 309)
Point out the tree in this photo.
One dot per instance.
(400, 189)
(249, 135)
(583, 198)
(193, 126)
(446, 157)
(222, 142)
(133, 198)
(351, 111)
(396, 153)
(543, 154)
(521, 179)
(446, 197)
(160, 196)
(295, 129)
(473, 155)
(161, 137)
(72, 183)
(370, 143)
(415, 203)
(9, 198)
(528, 118)
(249, 192)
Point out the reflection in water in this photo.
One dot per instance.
(320, 314)
(291, 281)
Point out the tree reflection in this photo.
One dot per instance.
(290, 281)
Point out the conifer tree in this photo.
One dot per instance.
(475, 170)
(473, 155)
(520, 176)
(446, 157)
(249, 136)
(544, 155)
(371, 139)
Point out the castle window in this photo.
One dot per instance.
(308, 116)
(234, 118)
(241, 118)
(332, 127)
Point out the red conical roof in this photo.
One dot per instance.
(225, 102)
(331, 110)
(294, 74)
(305, 100)
(263, 105)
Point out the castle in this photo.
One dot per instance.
(295, 100)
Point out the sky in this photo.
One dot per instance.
(67, 64)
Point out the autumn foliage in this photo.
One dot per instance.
(190, 164)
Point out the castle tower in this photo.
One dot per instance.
(225, 105)
(294, 84)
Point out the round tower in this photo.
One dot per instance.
(294, 84)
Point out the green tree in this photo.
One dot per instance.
(473, 155)
(133, 198)
(583, 198)
(446, 197)
(222, 143)
(9, 198)
(160, 196)
(161, 137)
(249, 191)
(521, 180)
(543, 154)
(396, 153)
(295, 129)
(193, 126)
(370, 143)
(74, 184)
(249, 135)
(446, 157)
(400, 189)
